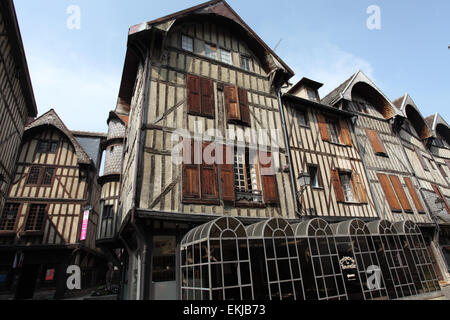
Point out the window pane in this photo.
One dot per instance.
(187, 43)
(314, 177)
(230, 274)
(33, 176)
(210, 51)
(246, 63)
(225, 56)
(347, 186)
(9, 215)
(48, 176)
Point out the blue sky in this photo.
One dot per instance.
(77, 72)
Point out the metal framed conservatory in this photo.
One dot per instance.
(418, 257)
(275, 264)
(397, 275)
(322, 274)
(353, 237)
(215, 263)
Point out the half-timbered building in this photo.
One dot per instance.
(439, 147)
(51, 213)
(209, 204)
(392, 138)
(17, 101)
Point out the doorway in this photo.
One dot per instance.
(27, 282)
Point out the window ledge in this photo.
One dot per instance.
(31, 233)
(248, 204)
(339, 144)
(318, 188)
(384, 155)
(353, 203)
(306, 127)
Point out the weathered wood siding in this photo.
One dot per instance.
(13, 111)
(396, 163)
(308, 148)
(166, 111)
(110, 197)
(65, 198)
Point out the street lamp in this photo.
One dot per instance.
(303, 181)
(440, 204)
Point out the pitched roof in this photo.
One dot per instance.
(218, 7)
(334, 95)
(51, 118)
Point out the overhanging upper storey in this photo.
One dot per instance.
(406, 105)
(359, 85)
(217, 11)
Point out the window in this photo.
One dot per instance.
(47, 146)
(391, 197)
(246, 63)
(302, 118)
(40, 176)
(236, 102)
(415, 197)
(347, 187)
(8, 218)
(211, 51)
(108, 212)
(421, 159)
(315, 178)
(246, 177)
(311, 94)
(225, 56)
(377, 143)
(35, 219)
(333, 130)
(48, 176)
(187, 43)
(200, 93)
(33, 176)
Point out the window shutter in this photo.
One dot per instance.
(421, 159)
(207, 90)
(243, 106)
(323, 127)
(191, 173)
(360, 188)
(401, 193)
(268, 178)
(232, 103)
(389, 192)
(439, 193)
(208, 174)
(227, 175)
(415, 197)
(194, 99)
(345, 133)
(336, 180)
(376, 142)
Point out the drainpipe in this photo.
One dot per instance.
(288, 152)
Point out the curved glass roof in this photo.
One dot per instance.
(314, 227)
(270, 228)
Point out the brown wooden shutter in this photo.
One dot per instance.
(268, 178)
(415, 197)
(439, 193)
(232, 103)
(421, 159)
(208, 176)
(345, 136)
(207, 90)
(389, 192)
(360, 188)
(193, 92)
(227, 175)
(376, 142)
(191, 173)
(243, 106)
(336, 180)
(401, 193)
(323, 127)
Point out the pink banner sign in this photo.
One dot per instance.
(85, 225)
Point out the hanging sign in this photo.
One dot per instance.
(84, 225)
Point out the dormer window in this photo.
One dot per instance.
(311, 94)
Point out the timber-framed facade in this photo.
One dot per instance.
(51, 213)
